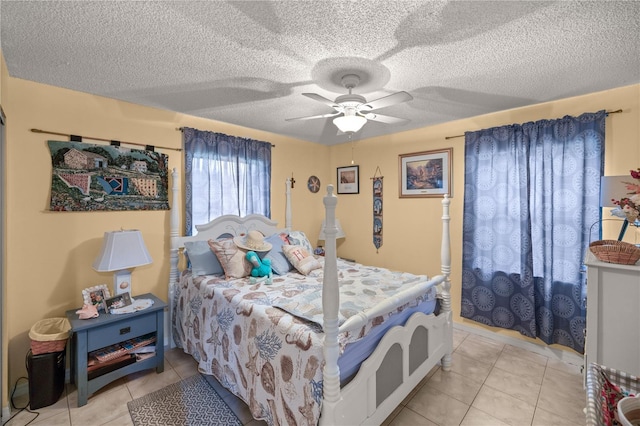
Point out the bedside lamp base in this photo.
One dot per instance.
(122, 282)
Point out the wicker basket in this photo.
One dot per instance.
(49, 335)
(596, 381)
(613, 251)
(38, 347)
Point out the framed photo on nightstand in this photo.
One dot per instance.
(96, 295)
(119, 301)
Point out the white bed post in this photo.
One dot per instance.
(330, 304)
(445, 256)
(287, 211)
(173, 253)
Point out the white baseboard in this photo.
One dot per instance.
(553, 353)
(20, 389)
(6, 413)
(23, 389)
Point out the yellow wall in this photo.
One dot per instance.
(408, 236)
(4, 75)
(50, 254)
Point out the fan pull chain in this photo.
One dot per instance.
(351, 150)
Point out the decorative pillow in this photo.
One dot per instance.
(203, 260)
(301, 259)
(231, 258)
(298, 238)
(279, 263)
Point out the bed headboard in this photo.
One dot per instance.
(231, 226)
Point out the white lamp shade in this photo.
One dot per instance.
(339, 234)
(349, 123)
(613, 187)
(122, 250)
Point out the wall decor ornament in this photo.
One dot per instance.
(377, 210)
(425, 174)
(90, 177)
(313, 184)
(348, 180)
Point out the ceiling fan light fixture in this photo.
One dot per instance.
(349, 123)
(352, 111)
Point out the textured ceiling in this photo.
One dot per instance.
(248, 63)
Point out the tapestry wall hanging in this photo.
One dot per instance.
(105, 178)
(377, 211)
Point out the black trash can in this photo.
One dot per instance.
(46, 378)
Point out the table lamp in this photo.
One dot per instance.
(122, 250)
(613, 188)
(339, 234)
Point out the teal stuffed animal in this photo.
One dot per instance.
(261, 267)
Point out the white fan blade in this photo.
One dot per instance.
(386, 101)
(322, 99)
(387, 119)
(311, 117)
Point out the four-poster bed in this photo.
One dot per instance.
(295, 357)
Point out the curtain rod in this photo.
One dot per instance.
(75, 138)
(461, 136)
(182, 128)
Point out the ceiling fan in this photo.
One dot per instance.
(352, 111)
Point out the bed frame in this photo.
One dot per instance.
(405, 354)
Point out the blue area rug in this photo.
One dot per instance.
(191, 401)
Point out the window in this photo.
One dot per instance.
(225, 175)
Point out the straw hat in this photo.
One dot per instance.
(254, 240)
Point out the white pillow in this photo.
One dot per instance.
(301, 259)
(298, 238)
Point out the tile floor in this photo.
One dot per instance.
(490, 384)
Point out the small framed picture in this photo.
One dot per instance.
(425, 174)
(96, 295)
(119, 301)
(348, 180)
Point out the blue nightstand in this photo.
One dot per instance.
(109, 329)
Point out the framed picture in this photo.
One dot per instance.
(119, 301)
(96, 295)
(348, 180)
(425, 174)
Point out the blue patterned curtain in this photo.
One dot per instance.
(531, 196)
(225, 175)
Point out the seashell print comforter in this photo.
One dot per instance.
(264, 342)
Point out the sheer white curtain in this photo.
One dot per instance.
(225, 175)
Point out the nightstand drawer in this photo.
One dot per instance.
(120, 331)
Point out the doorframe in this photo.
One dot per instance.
(6, 410)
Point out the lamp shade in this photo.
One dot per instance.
(612, 187)
(122, 250)
(349, 123)
(339, 234)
